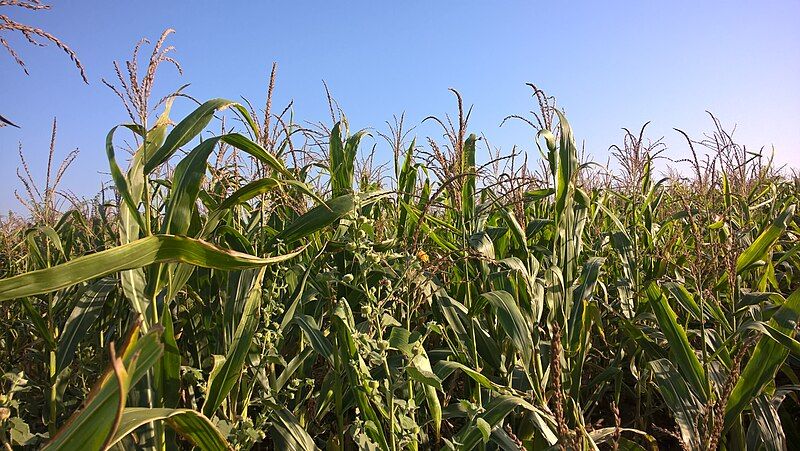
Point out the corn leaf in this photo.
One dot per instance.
(231, 369)
(83, 315)
(512, 321)
(93, 425)
(193, 426)
(767, 357)
(681, 350)
(761, 246)
(143, 252)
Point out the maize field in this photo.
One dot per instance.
(248, 282)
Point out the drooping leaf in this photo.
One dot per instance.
(495, 411)
(146, 251)
(193, 426)
(322, 216)
(513, 322)
(85, 312)
(289, 434)
(318, 341)
(231, 369)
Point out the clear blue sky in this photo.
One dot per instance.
(611, 65)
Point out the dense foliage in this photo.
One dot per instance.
(270, 288)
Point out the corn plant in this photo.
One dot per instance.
(230, 295)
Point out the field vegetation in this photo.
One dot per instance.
(251, 282)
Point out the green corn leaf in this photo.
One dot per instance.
(495, 411)
(681, 350)
(121, 181)
(182, 272)
(767, 357)
(291, 368)
(430, 232)
(406, 183)
(170, 365)
(297, 297)
(216, 365)
(591, 271)
(231, 369)
(255, 150)
(143, 252)
(685, 299)
(445, 368)
(318, 341)
(190, 172)
(421, 371)
(130, 219)
(566, 164)
(761, 246)
(50, 234)
(768, 423)
(425, 377)
(482, 244)
(39, 323)
(516, 228)
(342, 159)
(262, 186)
(193, 426)
(322, 216)
(782, 337)
(185, 131)
(317, 218)
(513, 322)
(92, 426)
(338, 167)
(83, 315)
(683, 403)
(186, 180)
(289, 434)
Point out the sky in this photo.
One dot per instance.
(610, 65)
